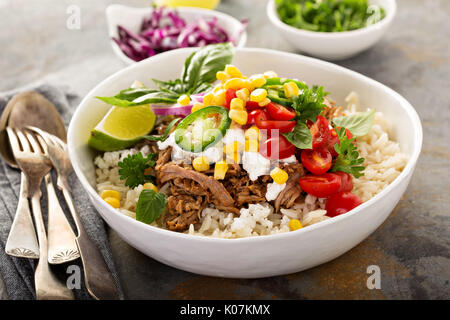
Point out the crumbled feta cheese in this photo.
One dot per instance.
(273, 190)
(255, 164)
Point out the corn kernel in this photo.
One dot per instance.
(232, 147)
(291, 89)
(235, 83)
(222, 76)
(270, 74)
(279, 176)
(113, 202)
(217, 88)
(257, 80)
(239, 116)
(208, 99)
(197, 106)
(264, 103)
(237, 104)
(150, 186)
(232, 71)
(235, 157)
(258, 95)
(251, 145)
(219, 97)
(295, 224)
(252, 133)
(243, 94)
(110, 194)
(220, 170)
(184, 100)
(201, 163)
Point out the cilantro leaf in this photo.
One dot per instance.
(166, 133)
(150, 206)
(132, 169)
(309, 104)
(348, 159)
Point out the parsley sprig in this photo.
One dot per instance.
(348, 159)
(132, 169)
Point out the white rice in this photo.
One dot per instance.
(383, 161)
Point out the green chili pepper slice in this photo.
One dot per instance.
(202, 128)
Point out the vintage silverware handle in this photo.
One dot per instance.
(62, 246)
(47, 286)
(22, 241)
(99, 280)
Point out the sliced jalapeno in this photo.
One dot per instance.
(202, 128)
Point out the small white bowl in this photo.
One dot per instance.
(335, 45)
(131, 18)
(261, 256)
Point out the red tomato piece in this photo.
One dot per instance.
(252, 105)
(321, 186)
(255, 115)
(282, 126)
(341, 202)
(276, 148)
(229, 95)
(320, 132)
(346, 181)
(316, 161)
(278, 112)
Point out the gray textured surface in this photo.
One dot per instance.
(412, 247)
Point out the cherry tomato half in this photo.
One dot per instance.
(333, 139)
(341, 202)
(346, 181)
(254, 115)
(230, 94)
(321, 186)
(276, 148)
(252, 105)
(320, 132)
(278, 112)
(316, 161)
(282, 126)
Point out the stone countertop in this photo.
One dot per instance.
(412, 248)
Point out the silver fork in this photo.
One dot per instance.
(35, 165)
(99, 280)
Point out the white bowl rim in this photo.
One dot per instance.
(207, 12)
(412, 158)
(273, 16)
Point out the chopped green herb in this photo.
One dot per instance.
(329, 15)
(348, 159)
(132, 169)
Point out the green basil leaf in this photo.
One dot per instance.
(359, 123)
(202, 66)
(300, 136)
(150, 206)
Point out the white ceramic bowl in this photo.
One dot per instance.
(131, 18)
(265, 255)
(334, 45)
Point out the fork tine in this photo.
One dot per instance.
(59, 142)
(42, 142)
(42, 134)
(34, 143)
(23, 141)
(13, 141)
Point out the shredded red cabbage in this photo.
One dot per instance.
(165, 30)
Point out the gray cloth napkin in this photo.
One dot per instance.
(17, 273)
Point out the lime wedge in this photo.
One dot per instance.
(122, 127)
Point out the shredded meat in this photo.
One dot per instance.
(292, 191)
(331, 110)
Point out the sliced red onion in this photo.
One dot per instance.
(177, 110)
